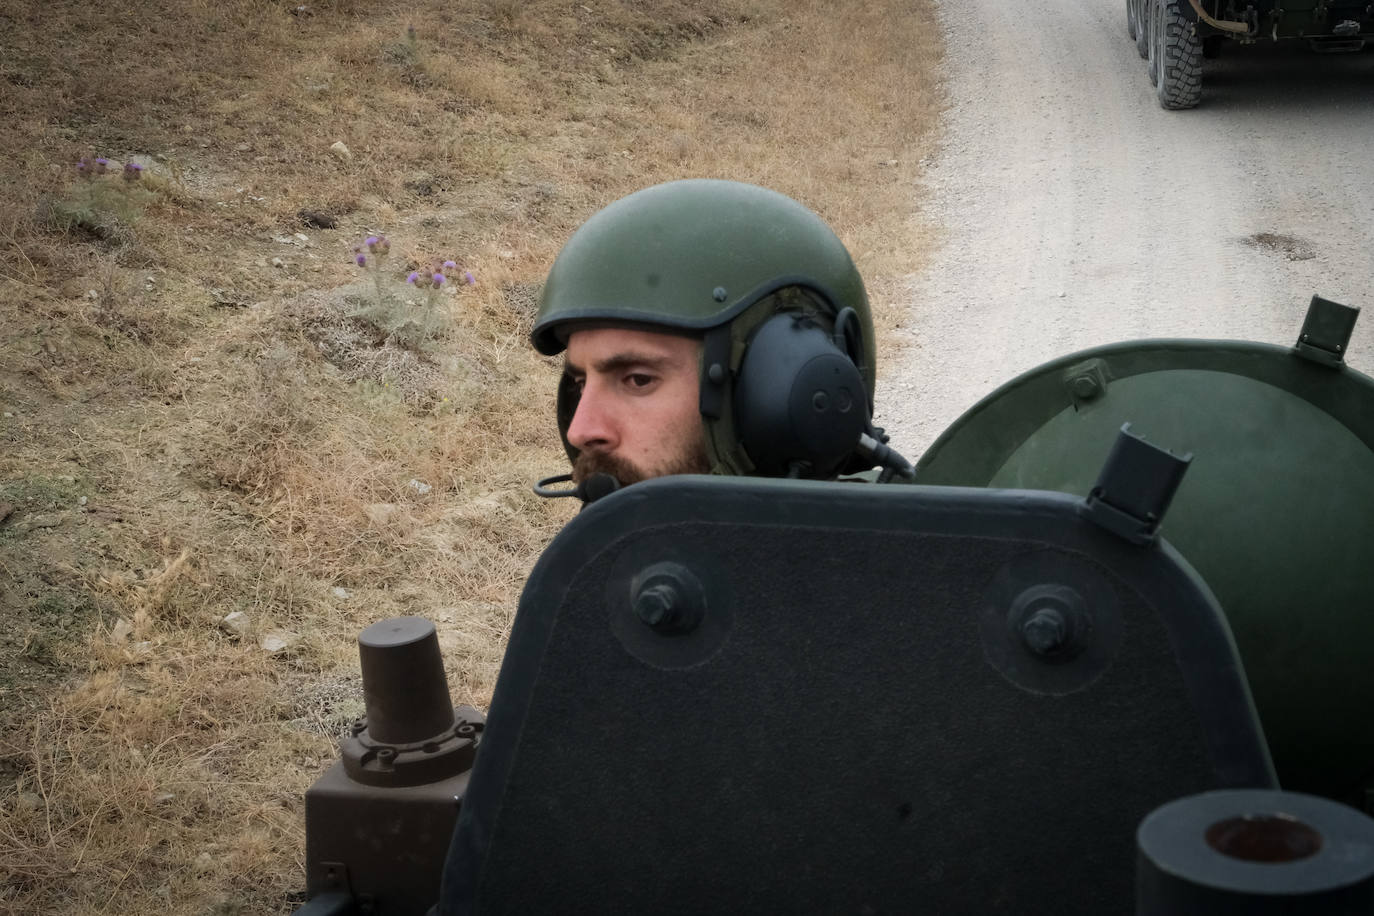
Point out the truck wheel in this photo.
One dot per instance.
(1142, 27)
(1152, 18)
(1130, 18)
(1178, 58)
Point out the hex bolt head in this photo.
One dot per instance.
(668, 598)
(1045, 630)
(1086, 387)
(657, 604)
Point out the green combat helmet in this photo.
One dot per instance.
(787, 369)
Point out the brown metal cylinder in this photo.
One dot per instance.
(404, 687)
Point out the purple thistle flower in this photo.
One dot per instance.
(469, 278)
(361, 260)
(414, 278)
(371, 242)
(449, 264)
(438, 279)
(132, 171)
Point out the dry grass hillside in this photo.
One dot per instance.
(210, 409)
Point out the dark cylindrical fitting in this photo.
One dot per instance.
(657, 605)
(404, 686)
(669, 598)
(1045, 630)
(1254, 852)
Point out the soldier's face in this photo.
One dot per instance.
(637, 416)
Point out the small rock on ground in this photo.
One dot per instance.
(235, 624)
(278, 641)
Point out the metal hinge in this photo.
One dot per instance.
(1135, 487)
(1326, 331)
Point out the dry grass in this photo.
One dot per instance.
(206, 413)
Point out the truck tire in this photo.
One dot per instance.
(1152, 17)
(1142, 27)
(1178, 58)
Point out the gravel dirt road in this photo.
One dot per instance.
(1073, 211)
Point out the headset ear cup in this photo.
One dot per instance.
(568, 397)
(849, 337)
(800, 402)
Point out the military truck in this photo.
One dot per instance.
(999, 689)
(1174, 36)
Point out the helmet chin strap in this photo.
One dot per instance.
(589, 491)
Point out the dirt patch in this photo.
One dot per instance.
(1290, 247)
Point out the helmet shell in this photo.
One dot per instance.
(692, 255)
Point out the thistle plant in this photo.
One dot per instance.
(407, 57)
(370, 256)
(106, 199)
(89, 168)
(432, 282)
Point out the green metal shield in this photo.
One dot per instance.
(1276, 512)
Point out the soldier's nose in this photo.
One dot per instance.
(591, 426)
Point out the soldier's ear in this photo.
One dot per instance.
(566, 406)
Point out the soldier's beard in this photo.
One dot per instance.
(693, 461)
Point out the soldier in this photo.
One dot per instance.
(710, 327)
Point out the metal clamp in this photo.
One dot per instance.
(1326, 331)
(1135, 487)
(1085, 382)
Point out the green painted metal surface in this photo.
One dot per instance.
(1276, 512)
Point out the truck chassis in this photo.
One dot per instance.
(1174, 36)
